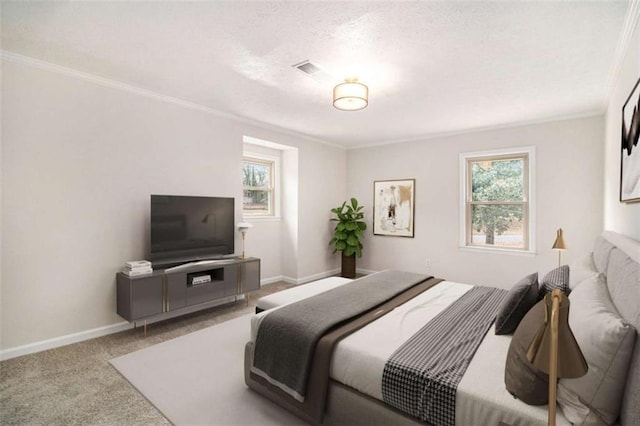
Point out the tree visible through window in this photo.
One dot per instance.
(257, 180)
(497, 201)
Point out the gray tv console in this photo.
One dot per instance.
(177, 291)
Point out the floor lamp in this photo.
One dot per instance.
(243, 227)
(559, 244)
(554, 350)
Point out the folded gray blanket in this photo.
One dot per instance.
(287, 337)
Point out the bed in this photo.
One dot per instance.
(353, 393)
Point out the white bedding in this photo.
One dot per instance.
(358, 361)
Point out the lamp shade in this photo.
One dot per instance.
(244, 226)
(571, 363)
(350, 95)
(559, 244)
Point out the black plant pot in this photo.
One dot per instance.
(348, 266)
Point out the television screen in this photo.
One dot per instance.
(187, 228)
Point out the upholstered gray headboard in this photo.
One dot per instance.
(618, 257)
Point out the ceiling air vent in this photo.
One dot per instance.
(314, 71)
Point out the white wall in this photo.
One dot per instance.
(620, 217)
(268, 247)
(323, 181)
(1, 197)
(569, 181)
(290, 209)
(79, 161)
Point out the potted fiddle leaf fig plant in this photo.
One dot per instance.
(348, 235)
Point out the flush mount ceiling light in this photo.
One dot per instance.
(350, 95)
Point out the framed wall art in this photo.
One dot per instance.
(630, 151)
(394, 207)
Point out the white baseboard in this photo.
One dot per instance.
(63, 340)
(271, 280)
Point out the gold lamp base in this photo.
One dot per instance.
(555, 340)
(243, 227)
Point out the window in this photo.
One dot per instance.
(497, 200)
(258, 180)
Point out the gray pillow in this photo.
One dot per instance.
(556, 278)
(601, 252)
(606, 341)
(522, 379)
(516, 304)
(580, 270)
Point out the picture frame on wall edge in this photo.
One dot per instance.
(630, 151)
(394, 207)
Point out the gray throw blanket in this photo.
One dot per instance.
(287, 337)
(421, 377)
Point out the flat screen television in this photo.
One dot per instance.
(188, 228)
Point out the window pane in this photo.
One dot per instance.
(256, 201)
(497, 225)
(256, 174)
(497, 180)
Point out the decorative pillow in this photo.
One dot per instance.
(580, 270)
(623, 283)
(601, 251)
(606, 341)
(522, 379)
(556, 278)
(516, 304)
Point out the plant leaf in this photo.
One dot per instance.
(348, 230)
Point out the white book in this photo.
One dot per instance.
(137, 264)
(132, 273)
(138, 268)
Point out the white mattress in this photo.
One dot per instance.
(358, 361)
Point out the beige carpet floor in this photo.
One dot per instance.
(197, 379)
(76, 385)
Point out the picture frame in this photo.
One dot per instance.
(394, 207)
(630, 149)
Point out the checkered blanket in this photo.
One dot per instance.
(421, 377)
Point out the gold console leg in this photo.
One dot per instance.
(144, 327)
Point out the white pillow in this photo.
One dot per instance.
(606, 341)
(581, 269)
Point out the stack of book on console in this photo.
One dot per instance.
(137, 267)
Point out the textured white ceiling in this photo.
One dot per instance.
(431, 67)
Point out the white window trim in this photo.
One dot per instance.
(276, 187)
(531, 152)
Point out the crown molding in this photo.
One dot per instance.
(623, 43)
(622, 48)
(585, 114)
(114, 84)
